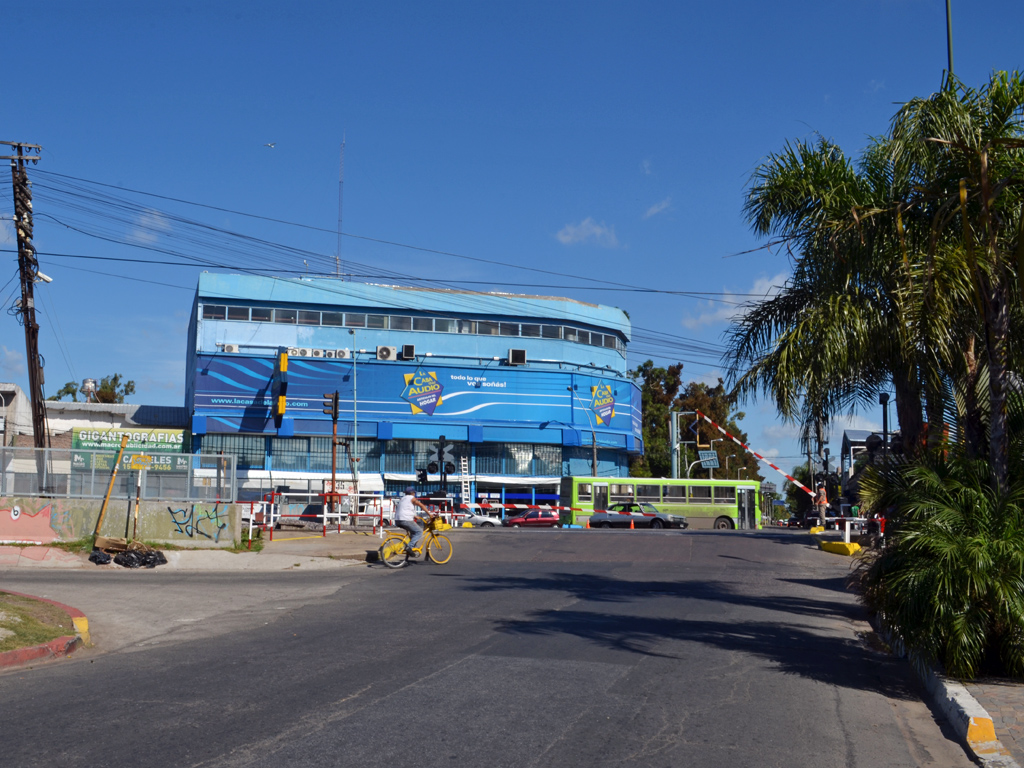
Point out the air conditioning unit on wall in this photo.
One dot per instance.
(408, 351)
(232, 348)
(517, 357)
(300, 352)
(318, 352)
(387, 353)
(337, 354)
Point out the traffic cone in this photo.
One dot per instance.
(587, 522)
(631, 524)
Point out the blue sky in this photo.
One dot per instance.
(591, 139)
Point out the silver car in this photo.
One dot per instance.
(483, 521)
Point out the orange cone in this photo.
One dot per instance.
(588, 522)
(631, 524)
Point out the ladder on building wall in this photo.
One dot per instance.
(464, 472)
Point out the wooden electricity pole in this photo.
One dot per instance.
(28, 267)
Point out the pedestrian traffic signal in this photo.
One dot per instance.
(421, 475)
(279, 386)
(331, 404)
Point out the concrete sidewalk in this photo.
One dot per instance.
(287, 551)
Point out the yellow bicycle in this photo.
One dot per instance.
(395, 551)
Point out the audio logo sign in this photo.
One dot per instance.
(422, 391)
(603, 404)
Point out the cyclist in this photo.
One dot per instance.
(405, 516)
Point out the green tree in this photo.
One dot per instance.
(112, 390)
(662, 391)
(68, 390)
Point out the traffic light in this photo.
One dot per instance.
(279, 387)
(432, 468)
(331, 404)
(421, 476)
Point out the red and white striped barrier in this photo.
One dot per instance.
(746, 447)
(520, 506)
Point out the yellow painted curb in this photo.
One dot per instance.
(816, 529)
(840, 547)
(82, 628)
(467, 524)
(980, 729)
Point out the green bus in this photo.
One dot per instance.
(720, 504)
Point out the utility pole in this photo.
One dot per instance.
(28, 267)
(341, 190)
(949, 37)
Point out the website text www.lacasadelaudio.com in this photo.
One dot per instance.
(266, 403)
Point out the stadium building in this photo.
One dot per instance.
(520, 387)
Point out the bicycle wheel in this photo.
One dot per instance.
(392, 552)
(439, 549)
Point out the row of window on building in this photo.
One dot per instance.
(313, 454)
(408, 323)
(673, 494)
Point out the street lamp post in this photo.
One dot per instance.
(738, 470)
(711, 472)
(593, 434)
(355, 422)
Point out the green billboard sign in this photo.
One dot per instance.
(150, 440)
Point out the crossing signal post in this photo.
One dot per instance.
(279, 387)
(331, 409)
(421, 476)
(442, 462)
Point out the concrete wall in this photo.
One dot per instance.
(41, 521)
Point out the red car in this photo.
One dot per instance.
(535, 518)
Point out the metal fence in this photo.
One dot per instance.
(62, 472)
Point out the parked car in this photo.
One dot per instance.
(482, 521)
(640, 514)
(794, 522)
(534, 518)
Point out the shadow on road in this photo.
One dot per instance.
(812, 648)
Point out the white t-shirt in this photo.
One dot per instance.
(406, 509)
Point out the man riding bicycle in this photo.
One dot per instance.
(405, 516)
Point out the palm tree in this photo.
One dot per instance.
(967, 147)
(837, 331)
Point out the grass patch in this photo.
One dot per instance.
(25, 622)
(83, 544)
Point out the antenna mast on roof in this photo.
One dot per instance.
(341, 197)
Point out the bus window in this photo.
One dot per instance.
(700, 494)
(725, 495)
(648, 493)
(585, 492)
(675, 494)
(622, 492)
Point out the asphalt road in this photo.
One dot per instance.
(531, 648)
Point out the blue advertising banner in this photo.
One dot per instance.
(239, 390)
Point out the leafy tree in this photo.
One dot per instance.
(662, 391)
(797, 500)
(111, 390)
(68, 390)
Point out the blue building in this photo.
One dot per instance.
(521, 386)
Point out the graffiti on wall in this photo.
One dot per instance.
(27, 520)
(190, 522)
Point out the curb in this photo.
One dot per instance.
(969, 719)
(62, 646)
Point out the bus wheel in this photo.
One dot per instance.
(723, 524)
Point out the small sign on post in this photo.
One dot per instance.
(141, 462)
(708, 459)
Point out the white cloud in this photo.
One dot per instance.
(148, 226)
(875, 86)
(657, 208)
(12, 363)
(715, 313)
(588, 231)
(645, 166)
(7, 236)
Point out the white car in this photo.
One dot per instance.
(483, 521)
